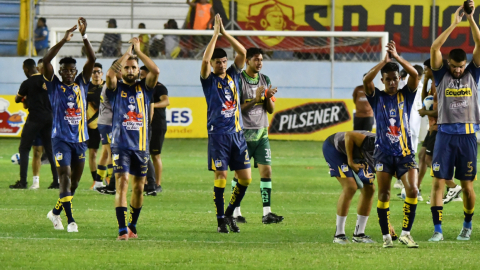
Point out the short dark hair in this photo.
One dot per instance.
(144, 68)
(219, 53)
(389, 67)
(133, 58)
(419, 70)
(457, 55)
(29, 63)
(427, 63)
(172, 24)
(43, 20)
(67, 60)
(251, 52)
(403, 73)
(40, 61)
(98, 65)
(141, 25)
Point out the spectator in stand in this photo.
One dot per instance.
(41, 37)
(202, 20)
(144, 39)
(111, 45)
(168, 45)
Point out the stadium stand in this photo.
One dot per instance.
(9, 26)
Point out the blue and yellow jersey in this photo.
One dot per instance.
(69, 104)
(392, 114)
(131, 110)
(223, 102)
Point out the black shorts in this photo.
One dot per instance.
(429, 142)
(156, 141)
(93, 138)
(363, 123)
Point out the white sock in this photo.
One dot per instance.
(237, 212)
(36, 179)
(340, 225)
(405, 233)
(386, 236)
(361, 224)
(266, 210)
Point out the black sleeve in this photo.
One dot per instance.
(162, 90)
(23, 91)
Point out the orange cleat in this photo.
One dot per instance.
(123, 237)
(131, 234)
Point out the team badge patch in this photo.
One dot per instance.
(218, 163)
(379, 167)
(58, 156)
(393, 113)
(400, 105)
(436, 167)
(344, 168)
(115, 156)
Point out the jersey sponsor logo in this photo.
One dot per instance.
(344, 167)
(230, 105)
(179, 116)
(218, 163)
(436, 167)
(455, 105)
(379, 167)
(116, 156)
(73, 115)
(309, 118)
(394, 132)
(10, 123)
(124, 94)
(462, 92)
(132, 119)
(58, 156)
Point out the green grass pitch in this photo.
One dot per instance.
(177, 229)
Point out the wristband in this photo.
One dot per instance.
(272, 98)
(84, 36)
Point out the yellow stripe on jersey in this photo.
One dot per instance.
(231, 83)
(142, 132)
(403, 138)
(80, 105)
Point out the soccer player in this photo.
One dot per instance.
(363, 119)
(93, 103)
(38, 124)
(130, 100)
(68, 100)
(256, 101)
(226, 144)
(394, 154)
(458, 120)
(349, 156)
(159, 128)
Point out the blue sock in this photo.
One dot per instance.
(438, 228)
(467, 225)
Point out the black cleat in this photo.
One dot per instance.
(232, 224)
(222, 226)
(271, 218)
(54, 185)
(240, 219)
(159, 189)
(105, 190)
(151, 192)
(19, 185)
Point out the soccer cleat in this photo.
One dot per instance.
(159, 189)
(419, 196)
(131, 234)
(151, 193)
(341, 239)
(362, 238)
(408, 241)
(35, 186)
(54, 185)
(436, 237)
(123, 237)
(457, 199)
(56, 220)
(19, 185)
(222, 226)
(72, 227)
(452, 194)
(387, 242)
(240, 219)
(105, 190)
(232, 224)
(464, 234)
(398, 184)
(393, 235)
(96, 185)
(272, 218)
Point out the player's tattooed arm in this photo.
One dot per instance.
(47, 59)
(111, 78)
(237, 46)
(152, 76)
(435, 53)
(352, 139)
(88, 67)
(207, 56)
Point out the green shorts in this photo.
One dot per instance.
(260, 151)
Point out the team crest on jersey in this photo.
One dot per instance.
(393, 113)
(218, 163)
(76, 88)
(379, 167)
(400, 105)
(115, 156)
(436, 166)
(132, 119)
(71, 98)
(139, 95)
(344, 167)
(58, 156)
(394, 132)
(131, 99)
(72, 115)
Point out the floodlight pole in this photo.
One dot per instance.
(332, 49)
(434, 15)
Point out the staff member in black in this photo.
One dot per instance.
(39, 121)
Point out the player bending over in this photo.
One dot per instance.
(394, 154)
(349, 153)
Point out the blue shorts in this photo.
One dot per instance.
(105, 133)
(38, 140)
(455, 151)
(227, 150)
(67, 153)
(130, 161)
(396, 166)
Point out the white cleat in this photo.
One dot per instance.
(72, 227)
(452, 194)
(56, 220)
(464, 234)
(398, 184)
(35, 186)
(98, 185)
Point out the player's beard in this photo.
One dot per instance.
(129, 78)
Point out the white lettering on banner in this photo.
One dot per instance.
(179, 116)
(310, 118)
